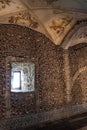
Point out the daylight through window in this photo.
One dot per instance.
(22, 77)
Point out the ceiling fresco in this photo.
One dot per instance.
(58, 27)
(10, 6)
(54, 18)
(23, 18)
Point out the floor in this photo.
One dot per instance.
(77, 122)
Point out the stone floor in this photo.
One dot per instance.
(78, 122)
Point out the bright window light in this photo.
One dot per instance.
(22, 77)
(16, 80)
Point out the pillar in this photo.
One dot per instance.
(67, 76)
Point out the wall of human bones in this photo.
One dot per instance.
(23, 45)
(78, 66)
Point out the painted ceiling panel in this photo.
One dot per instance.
(58, 27)
(23, 18)
(10, 6)
(57, 24)
(54, 18)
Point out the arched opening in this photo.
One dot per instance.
(79, 88)
(78, 65)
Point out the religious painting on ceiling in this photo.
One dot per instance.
(9, 6)
(24, 18)
(59, 26)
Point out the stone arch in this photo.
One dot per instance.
(76, 36)
(79, 86)
(81, 70)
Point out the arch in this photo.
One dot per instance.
(78, 73)
(79, 86)
(76, 36)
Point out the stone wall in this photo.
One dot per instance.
(26, 45)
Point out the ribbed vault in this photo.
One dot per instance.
(56, 19)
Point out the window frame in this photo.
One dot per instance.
(9, 61)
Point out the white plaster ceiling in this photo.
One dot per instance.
(54, 18)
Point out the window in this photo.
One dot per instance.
(16, 80)
(22, 77)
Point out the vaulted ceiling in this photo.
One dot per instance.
(54, 18)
